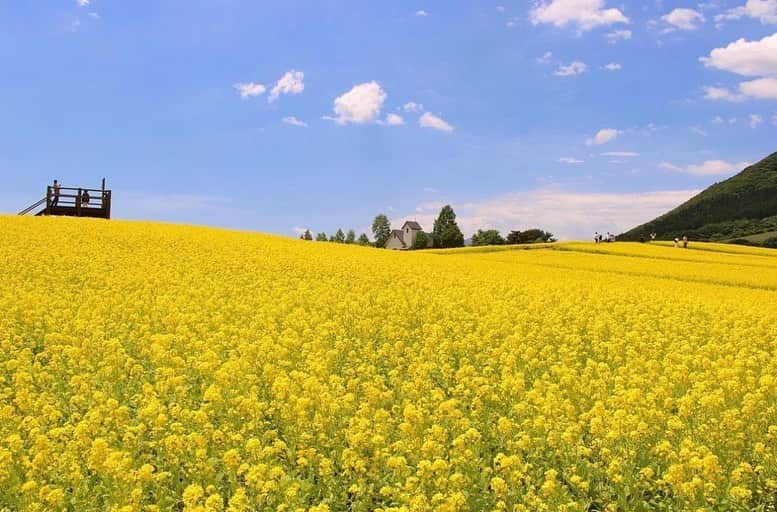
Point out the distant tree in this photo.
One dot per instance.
(514, 237)
(350, 238)
(487, 237)
(446, 232)
(537, 235)
(421, 241)
(381, 230)
(529, 236)
(321, 237)
(306, 235)
(363, 240)
(339, 237)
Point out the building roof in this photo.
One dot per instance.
(412, 225)
(399, 234)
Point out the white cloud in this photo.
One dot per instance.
(546, 58)
(575, 68)
(82, 3)
(93, 15)
(717, 120)
(500, 8)
(761, 88)
(747, 58)
(755, 120)
(294, 121)
(763, 10)
(411, 106)
(670, 167)
(362, 104)
(603, 136)
(250, 89)
(290, 83)
(684, 19)
(421, 13)
(721, 94)
(429, 120)
(569, 160)
(615, 35)
(613, 66)
(708, 168)
(585, 14)
(698, 131)
(394, 120)
(619, 154)
(299, 230)
(568, 215)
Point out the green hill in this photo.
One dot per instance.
(741, 206)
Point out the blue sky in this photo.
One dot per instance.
(571, 115)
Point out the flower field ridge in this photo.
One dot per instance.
(154, 367)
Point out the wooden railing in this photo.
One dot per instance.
(32, 207)
(78, 198)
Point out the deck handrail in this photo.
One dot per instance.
(32, 207)
(61, 200)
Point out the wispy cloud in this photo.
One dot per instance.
(249, 89)
(293, 121)
(569, 215)
(707, 168)
(361, 104)
(174, 207)
(572, 69)
(618, 35)
(394, 120)
(290, 83)
(763, 10)
(683, 19)
(583, 14)
(620, 154)
(429, 120)
(603, 136)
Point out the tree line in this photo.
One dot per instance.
(445, 234)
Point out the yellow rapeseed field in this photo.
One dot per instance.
(150, 367)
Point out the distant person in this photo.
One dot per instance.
(56, 189)
(85, 198)
(676, 242)
(642, 239)
(652, 236)
(596, 237)
(685, 242)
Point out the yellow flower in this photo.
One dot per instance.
(192, 495)
(155, 364)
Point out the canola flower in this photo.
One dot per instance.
(150, 367)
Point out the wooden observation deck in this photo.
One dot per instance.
(73, 202)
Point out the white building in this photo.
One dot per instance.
(403, 239)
